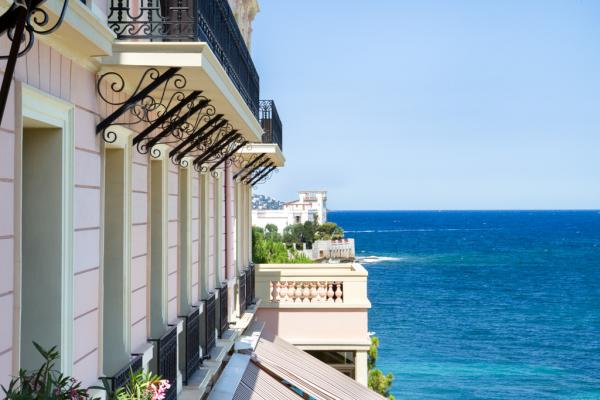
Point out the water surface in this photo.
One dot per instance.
(484, 305)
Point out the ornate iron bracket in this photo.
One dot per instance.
(254, 171)
(263, 176)
(249, 165)
(215, 148)
(169, 115)
(21, 22)
(197, 137)
(143, 106)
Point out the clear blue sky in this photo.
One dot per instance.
(418, 104)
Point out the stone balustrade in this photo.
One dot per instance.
(313, 286)
(306, 292)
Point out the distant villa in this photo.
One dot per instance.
(310, 206)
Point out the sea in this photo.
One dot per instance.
(483, 304)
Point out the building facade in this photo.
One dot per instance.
(126, 170)
(310, 206)
(131, 138)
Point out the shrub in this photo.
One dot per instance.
(45, 382)
(142, 385)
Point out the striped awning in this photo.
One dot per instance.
(306, 373)
(257, 384)
(276, 370)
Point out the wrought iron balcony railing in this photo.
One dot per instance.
(122, 377)
(192, 343)
(249, 290)
(242, 293)
(166, 350)
(223, 324)
(270, 122)
(210, 21)
(210, 315)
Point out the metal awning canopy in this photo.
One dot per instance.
(199, 66)
(278, 370)
(160, 108)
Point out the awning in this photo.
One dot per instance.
(278, 370)
(258, 384)
(308, 374)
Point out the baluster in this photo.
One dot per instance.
(285, 292)
(305, 293)
(298, 292)
(338, 293)
(271, 291)
(329, 292)
(278, 292)
(322, 292)
(313, 293)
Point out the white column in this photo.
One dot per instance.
(249, 222)
(203, 242)
(361, 371)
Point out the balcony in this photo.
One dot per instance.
(315, 306)
(271, 124)
(209, 21)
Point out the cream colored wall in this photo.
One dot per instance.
(315, 323)
(195, 236)
(212, 239)
(140, 257)
(173, 240)
(322, 328)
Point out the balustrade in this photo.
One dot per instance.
(306, 292)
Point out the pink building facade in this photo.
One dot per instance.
(107, 247)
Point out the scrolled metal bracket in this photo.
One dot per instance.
(154, 96)
(21, 22)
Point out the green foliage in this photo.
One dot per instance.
(329, 231)
(45, 383)
(292, 234)
(372, 355)
(271, 233)
(142, 385)
(378, 381)
(381, 383)
(267, 248)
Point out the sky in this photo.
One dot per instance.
(434, 104)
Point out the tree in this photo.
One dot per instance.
(378, 382)
(292, 234)
(271, 233)
(308, 232)
(329, 231)
(268, 248)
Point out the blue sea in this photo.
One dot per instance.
(484, 305)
